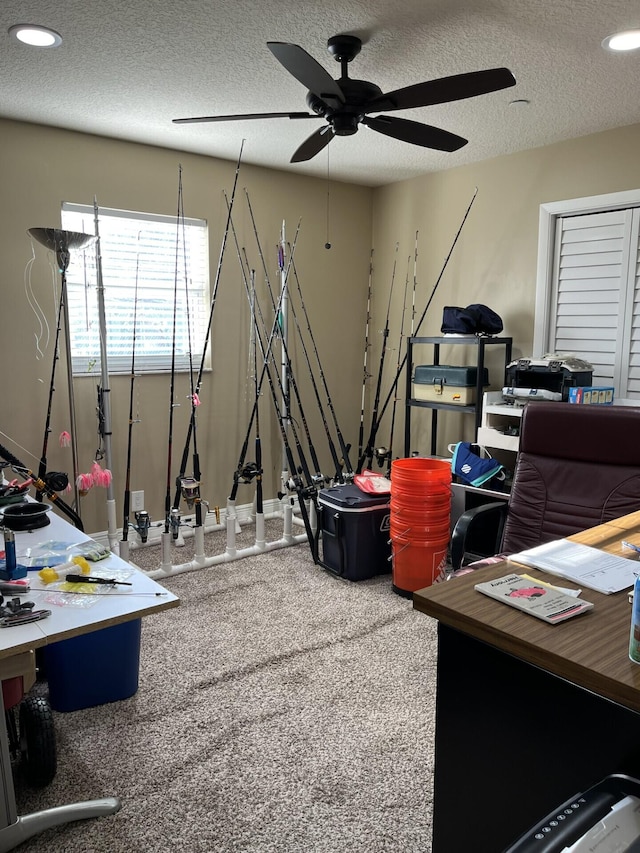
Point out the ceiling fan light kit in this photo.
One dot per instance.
(346, 103)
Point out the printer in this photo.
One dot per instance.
(546, 378)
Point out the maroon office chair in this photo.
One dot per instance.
(577, 466)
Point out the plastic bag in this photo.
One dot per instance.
(372, 483)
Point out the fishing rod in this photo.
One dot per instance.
(376, 424)
(344, 448)
(318, 477)
(189, 487)
(214, 296)
(389, 453)
(126, 505)
(294, 483)
(338, 463)
(368, 453)
(365, 373)
(171, 516)
(415, 284)
(256, 391)
(42, 466)
(49, 484)
(244, 474)
(104, 390)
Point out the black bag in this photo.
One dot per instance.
(473, 320)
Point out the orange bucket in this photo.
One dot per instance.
(417, 563)
(418, 474)
(421, 514)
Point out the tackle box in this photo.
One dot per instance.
(353, 527)
(555, 373)
(444, 383)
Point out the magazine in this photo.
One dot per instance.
(537, 599)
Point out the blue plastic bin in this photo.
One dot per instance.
(94, 668)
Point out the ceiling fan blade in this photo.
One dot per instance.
(306, 70)
(313, 144)
(446, 89)
(415, 133)
(242, 117)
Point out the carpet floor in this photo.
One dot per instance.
(279, 709)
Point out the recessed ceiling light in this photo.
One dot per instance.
(625, 40)
(35, 35)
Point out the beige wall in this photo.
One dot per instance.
(495, 259)
(494, 262)
(41, 167)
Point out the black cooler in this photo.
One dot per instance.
(354, 528)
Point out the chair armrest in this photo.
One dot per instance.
(491, 513)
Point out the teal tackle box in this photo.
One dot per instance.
(446, 383)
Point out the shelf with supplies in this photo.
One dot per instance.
(500, 422)
(474, 406)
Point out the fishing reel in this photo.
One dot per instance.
(295, 485)
(174, 522)
(142, 525)
(247, 473)
(57, 481)
(190, 490)
(381, 454)
(292, 485)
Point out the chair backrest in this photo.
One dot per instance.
(577, 466)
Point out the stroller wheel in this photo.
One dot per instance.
(37, 741)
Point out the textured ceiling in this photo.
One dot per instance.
(126, 68)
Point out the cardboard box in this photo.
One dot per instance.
(592, 395)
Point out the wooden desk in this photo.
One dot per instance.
(18, 643)
(527, 713)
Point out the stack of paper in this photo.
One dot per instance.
(581, 564)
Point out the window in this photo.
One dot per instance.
(169, 261)
(588, 294)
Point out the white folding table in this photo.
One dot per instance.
(18, 643)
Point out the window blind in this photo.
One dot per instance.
(154, 268)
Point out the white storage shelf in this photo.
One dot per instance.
(497, 416)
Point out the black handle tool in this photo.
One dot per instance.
(87, 579)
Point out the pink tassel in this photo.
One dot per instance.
(195, 399)
(100, 476)
(65, 439)
(84, 482)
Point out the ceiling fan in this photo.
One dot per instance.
(346, 103)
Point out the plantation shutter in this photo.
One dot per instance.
(596, 296)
